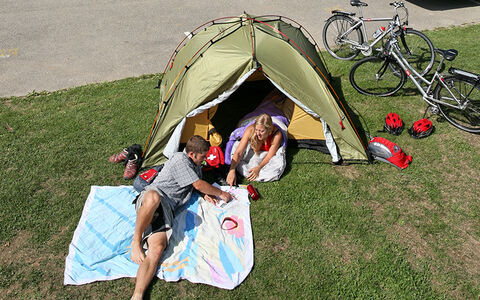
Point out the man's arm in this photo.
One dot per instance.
(206, 188)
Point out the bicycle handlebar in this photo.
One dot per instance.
(396, 6)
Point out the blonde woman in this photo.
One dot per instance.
(256, 155)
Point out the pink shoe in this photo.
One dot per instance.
(116, 158)
(131, 168)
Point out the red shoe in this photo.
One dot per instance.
(116, 158)
(131, 168)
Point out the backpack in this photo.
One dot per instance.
(389, 152)
(214, 159)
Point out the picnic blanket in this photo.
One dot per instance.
(209, 244)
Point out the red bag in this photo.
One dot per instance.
(214, 159)
(149, 175)
(389, 152)
(146, 177)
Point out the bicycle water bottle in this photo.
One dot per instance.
(378, 32)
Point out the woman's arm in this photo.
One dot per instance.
(276, 143)
(238, 154)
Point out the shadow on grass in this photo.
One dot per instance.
(148, 293)
(291, 152)
(443, 5)
(354, 115)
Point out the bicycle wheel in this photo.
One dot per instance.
(377, 76)
(418, 50)
(468, 94)
(337, 45)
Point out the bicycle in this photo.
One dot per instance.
(345, 37)
(455, 96)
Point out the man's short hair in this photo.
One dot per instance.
(197, 145)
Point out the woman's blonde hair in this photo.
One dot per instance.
(266, 121)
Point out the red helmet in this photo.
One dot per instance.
(393, 124)
(422, 128)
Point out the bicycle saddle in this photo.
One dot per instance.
(449, 54)
(357, 3)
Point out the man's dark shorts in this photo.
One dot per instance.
(162, 218)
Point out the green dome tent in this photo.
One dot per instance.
(224, 66)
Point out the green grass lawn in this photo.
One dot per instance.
(322, 231)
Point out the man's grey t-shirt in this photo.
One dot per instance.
(176, 178)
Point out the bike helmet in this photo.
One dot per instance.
(421, 128)
(393, 124)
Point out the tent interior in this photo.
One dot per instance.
(304, 130)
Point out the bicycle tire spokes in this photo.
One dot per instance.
(342, 26)
(418, 50)
(462, 110)
(338, 40)
(376, 76)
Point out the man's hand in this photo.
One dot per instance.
(138, 254)
(226, 196)
(253, 173)
(208, 190)
(211, 199)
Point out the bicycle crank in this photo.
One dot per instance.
(366, 50)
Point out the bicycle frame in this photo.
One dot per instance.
(395, 21)
(361, 23)
(438, 77)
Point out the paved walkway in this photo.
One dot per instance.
(50, 45)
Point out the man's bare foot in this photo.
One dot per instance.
(136, 297)
(138, 254)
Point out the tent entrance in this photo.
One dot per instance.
(225, 116)
(305, 131)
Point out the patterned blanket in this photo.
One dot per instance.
(209, 244)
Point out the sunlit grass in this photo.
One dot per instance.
(322, 231)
